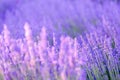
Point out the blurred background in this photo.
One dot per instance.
(68, 17)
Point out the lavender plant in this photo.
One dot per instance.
(92, 56)
(80, 40)
(59, 16)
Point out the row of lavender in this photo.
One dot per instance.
(57, 15)
(93, 56)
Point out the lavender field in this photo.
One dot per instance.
(59, 40)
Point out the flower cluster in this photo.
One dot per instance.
(24, 59)
(59, 16)
(92, 56)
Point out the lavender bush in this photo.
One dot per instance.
(92, 56)
(58, 16)
(79, 40)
